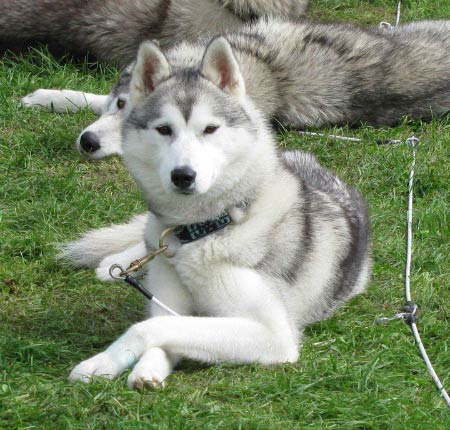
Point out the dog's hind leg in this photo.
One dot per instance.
(123, 259)
(64, 100)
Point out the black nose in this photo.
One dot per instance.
(89, 142)
(183, 177)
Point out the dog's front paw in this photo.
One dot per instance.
(55, 100)
(141, 378)
(40, 98)
(151, 370)
(99, 365)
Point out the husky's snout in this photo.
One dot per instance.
(89, 142)
(183, 178)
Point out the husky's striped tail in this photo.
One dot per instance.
(97, 244)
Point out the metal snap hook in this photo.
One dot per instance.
(164, 234)
(120, 275)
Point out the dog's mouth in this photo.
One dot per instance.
(185, 192)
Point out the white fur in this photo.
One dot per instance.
(107, 129)
(64, 100)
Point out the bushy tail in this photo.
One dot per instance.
(97, 244)
(24, 21)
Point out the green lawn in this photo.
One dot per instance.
(352, 374)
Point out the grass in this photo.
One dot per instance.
(352, 374)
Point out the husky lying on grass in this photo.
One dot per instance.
(111, 30)
(304, 74)
(268, 242)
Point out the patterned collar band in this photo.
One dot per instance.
(191, 232)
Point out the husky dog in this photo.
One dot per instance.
(303, 74)
(103, 137)
(111, 30)
(266, 243)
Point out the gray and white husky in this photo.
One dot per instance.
(290, 243)
(111, 30)
(304, 74)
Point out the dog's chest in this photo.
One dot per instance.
(196, 263)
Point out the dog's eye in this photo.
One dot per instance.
(164, 130)
(210, 129)
(121, 103)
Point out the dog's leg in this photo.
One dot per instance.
(64, 100)
(206, 339)
(257, 329)
(155, 364)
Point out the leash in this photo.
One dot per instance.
(329, 136)
(124, 275)
(409, 314)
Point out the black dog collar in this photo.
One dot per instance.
(191, 232)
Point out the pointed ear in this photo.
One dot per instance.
(219, 65)
(150, 69)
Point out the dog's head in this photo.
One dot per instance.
(104, 136)
(192, 137)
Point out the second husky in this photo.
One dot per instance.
(266, 243)
(111, 30)
(304, 74)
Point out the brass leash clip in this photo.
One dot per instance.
(141, 262)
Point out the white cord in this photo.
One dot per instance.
(410, 315)
(331, 136)
(429, 365)
(387, 25)
(412, 141)
(397, 18)
(165, 307)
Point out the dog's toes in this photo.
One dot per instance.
(27, 101)
(102, 271)
(140, 382)
(99, 365)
